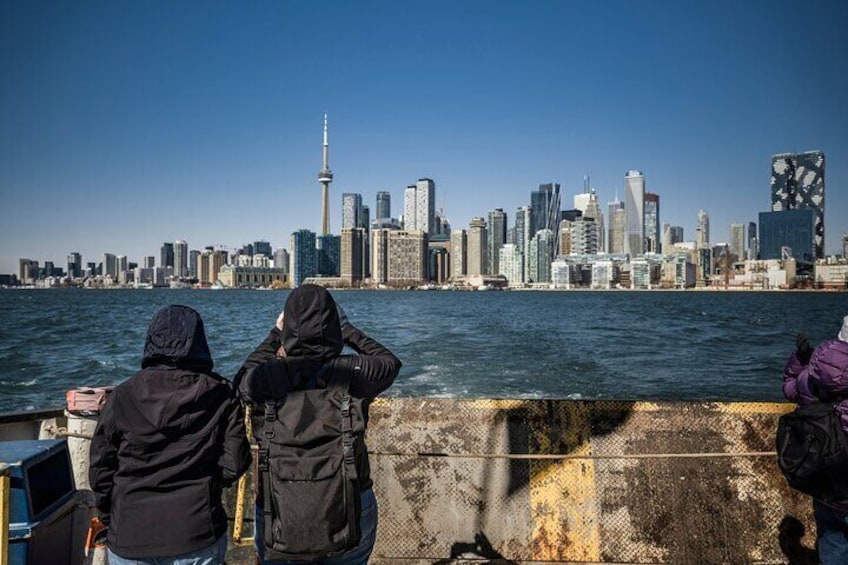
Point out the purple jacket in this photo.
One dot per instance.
(824, 378)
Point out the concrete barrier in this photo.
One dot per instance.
(583, 481)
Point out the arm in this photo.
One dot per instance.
(103, 460)
(797, 385)
(378, 366)
(235, 458)
(265, 351)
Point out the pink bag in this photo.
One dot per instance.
(87, 401)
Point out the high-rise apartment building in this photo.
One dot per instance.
(737, 241)
(27, 271)
(180, 259)
(351, 210)
(303, 256)
(634, 213)
(166, 255)
(497, 238)
(74, 265)
(523, 233)
(263, 247)
(110, 266)
(192, 263)
(753, 241)
(671, 236)
(652, 223)
(615, 234)
(565, 237)
(149, 262)
(459, 253)
(541, 251)
(585, 236)
(477, 247)
(797, 183)
(788, 233)
(121, 264)
(384, 205)
(327, 253)
(592, 210)
(281, 260)
(545, 210)
(419, 207)
(407, 258)
(702, 231)
(510, 263)
(352, 247)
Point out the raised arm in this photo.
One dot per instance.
(265, 351)
(378, 366)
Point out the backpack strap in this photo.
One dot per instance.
(270, 417)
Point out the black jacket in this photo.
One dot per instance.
(167, 441)
(313, 338)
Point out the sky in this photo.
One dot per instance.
(124, 125)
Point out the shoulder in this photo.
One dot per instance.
(832, 352)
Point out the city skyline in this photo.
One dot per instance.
(129, 126)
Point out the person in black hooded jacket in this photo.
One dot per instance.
(303, 350)
(168, 440)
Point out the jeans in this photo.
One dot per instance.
(214, 554)
(357, 556)
(831, 534)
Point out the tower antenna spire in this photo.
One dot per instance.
(325, 177)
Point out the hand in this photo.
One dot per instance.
(279, 322)
(803, 348)
(343, 321)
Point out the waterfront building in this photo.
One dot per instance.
(243, 260)
(325, 177)
(615, 232)
(678, 272)
(166, 255)
(652, 223)
(585, 236)
(281, 259)
(592, 211)
(797, 183)
(380, 255)
(510, 263)
(327, 253)
(640, 274)
(497, 238)
(604, 274)
(352, 248)
(788, 233)
(753, 241)
(302, 257)
(459, 253)
(833, 277)
(384, 205)
(407, 258)
(541, 251)
(702, 232)
(351, 210)
(121, 264)
(192, 263)
(259, 260)
(523, 234)
(231, 276)
(634, 213)
(545, 212)
(563, 274)
(438, 258)
(477, 247)
(27, 271)
(737, 241)
(180, 259)
(703, 265)
(419, 207)
(74, 265)
(672, 235)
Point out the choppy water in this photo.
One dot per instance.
(621, 345)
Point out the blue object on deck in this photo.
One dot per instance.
(41, 502)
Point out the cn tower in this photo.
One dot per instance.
(325, 177)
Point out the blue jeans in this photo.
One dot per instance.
(357, 556)
(214, 554)
(831, 534)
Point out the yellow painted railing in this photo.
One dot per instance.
(4, 514)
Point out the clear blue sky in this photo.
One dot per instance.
(126, 124)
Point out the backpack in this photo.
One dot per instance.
(307, 469)
(812, 452)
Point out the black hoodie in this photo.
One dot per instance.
(313, 339)
(167, 441)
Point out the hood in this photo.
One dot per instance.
(311, 325)
(176, 339)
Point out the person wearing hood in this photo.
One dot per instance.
(821, 375)
(168, 440)
(304, 350)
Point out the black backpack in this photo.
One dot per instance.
(812, 452)
(307, 471)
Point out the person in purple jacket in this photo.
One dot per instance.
(821, 375)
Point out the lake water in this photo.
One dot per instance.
(580, 344)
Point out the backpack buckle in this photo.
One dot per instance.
(263, 459)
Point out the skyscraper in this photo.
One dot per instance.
(325, 177)
(281, 260)
(419, 207)
(384, 205)
(615, 234)
(545, 209)
(263, 247)
(192, 263)
(523, 235)
(497, 238)
(303, 256)
(652, 223)
(477, 247)
(351, 210)
(180, 259)
(74, 265)
(167, 255)
(352, 244)
(328, 252)
(788, 230)
(737, 240)
(702, 232)
(541, 251)
(407, 257)
(753, 242)
(510, 263)
(459, 253)
(634, 213)
(110, 266)
(797, 183)
(593, 211)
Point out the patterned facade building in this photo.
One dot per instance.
(407, 258)
(797, 183)
(634, 213)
